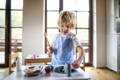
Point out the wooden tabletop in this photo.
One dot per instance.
(35, 58)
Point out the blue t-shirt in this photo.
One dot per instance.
(64, 49)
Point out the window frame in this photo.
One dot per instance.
(8, 28)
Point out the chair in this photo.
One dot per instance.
(11, 57)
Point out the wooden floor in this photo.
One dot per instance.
(102, 74)
(95, 74)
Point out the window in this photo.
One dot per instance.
(16, 23)
(2, 31)
(82, 11)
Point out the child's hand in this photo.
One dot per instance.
(75, 64)
(49, 50)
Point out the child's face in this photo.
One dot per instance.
(64, 29)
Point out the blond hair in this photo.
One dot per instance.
(66, 18)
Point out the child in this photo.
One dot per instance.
(63, 47)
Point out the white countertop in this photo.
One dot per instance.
(79, 75)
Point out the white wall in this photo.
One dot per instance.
(111, 37)
(32, 27)
(100, 34)
(94, 34)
